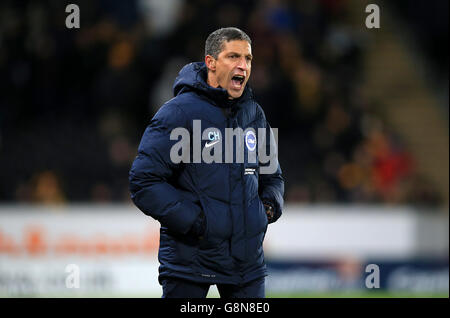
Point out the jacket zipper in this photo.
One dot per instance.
(229, 193)
(244, 207)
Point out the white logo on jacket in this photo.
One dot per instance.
(250, 140)
(214, 138)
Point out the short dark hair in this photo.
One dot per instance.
(214, 42)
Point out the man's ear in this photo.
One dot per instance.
(210, 62)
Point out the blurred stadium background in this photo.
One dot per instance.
(363, 141)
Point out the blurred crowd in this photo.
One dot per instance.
(75, 102)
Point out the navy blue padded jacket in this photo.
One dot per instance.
(227, 196)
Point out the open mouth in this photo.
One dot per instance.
(237, 81)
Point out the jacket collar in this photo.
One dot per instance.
(192, 77)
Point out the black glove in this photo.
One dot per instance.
(270, 211)
(199, 227)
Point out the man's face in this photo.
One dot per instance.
(232, 67)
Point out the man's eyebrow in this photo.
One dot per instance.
(239, 54)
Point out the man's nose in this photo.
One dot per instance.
(242, 64)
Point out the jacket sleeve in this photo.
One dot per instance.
(152, 169)
(271, 185)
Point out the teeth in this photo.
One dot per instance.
(239, 78)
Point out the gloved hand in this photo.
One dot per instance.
(269, 210)
(199, 227)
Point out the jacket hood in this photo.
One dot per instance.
(192, 77)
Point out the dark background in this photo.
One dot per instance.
(75, 102)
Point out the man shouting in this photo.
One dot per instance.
(213, 214)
